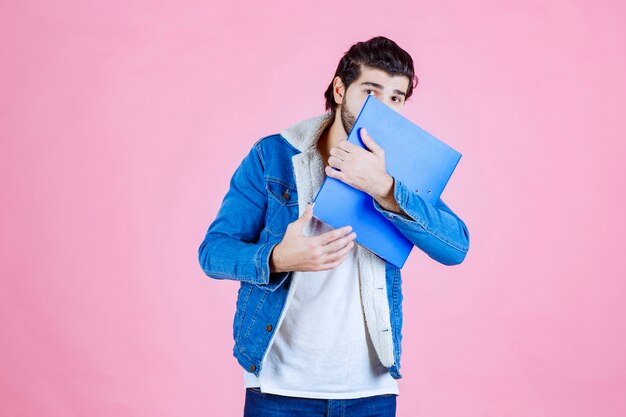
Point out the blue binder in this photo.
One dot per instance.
(412, 155)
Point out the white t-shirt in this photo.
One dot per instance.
(322, 348)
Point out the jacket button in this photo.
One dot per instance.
(286, 195)
(252, 367)
(269, 327)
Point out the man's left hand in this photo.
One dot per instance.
(361, 168)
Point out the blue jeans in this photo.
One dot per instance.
(260, 404)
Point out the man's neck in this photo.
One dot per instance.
(331, 137)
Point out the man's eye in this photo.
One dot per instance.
(396, 99)
(367, 91)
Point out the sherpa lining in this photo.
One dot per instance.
(309, 175)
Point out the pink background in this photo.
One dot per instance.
(121, 123)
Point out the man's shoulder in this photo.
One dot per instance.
(272, 149)
(268, 140)
(273, 142)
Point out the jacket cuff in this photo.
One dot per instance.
(401, 195)
(268, 280)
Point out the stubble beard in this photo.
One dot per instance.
(347, 119)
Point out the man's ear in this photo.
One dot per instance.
(339, 90)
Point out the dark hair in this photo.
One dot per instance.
(380, 53)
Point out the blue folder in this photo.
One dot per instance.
(412, 155)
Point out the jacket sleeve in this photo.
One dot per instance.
(436, 230)
(230, 249)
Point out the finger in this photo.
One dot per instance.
(370, 143)
(338, 244)
(339, 256)
(347, 146)
(335, 162)
(306, 216)
(333, 173)
(307, 213)
(331, 235)
(339, 152)
(332, 256)
(352, 149)
(331, 265)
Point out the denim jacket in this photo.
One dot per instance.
(270, 189)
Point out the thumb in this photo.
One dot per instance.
(370, 143)
(307, 214)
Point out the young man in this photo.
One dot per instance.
(318, 318)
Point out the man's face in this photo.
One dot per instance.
(390, 90)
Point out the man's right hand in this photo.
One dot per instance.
(297, 252)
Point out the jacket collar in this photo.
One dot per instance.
(304, 135)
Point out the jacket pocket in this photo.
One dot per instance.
(282, 205)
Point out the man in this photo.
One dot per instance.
(333, 345)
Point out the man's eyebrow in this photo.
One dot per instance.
(402, 93)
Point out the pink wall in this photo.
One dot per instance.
(122, 122)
